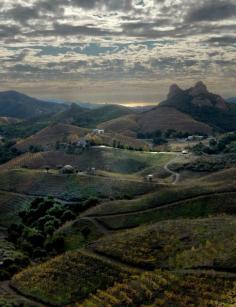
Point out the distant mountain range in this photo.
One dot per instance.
(231, 100)
(87, 105)
(17, 105)
(191, 110)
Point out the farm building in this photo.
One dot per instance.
(98, 131)
(68, 169)
(195, 138)
(150, 177)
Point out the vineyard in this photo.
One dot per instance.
(106, 159)
(48, 137)
(38, 183)
(202, 206)
(167, 195)
(23, 160)
(161, 288)
(73, 275)
(182, 244)
(189, 260)
(10, 205)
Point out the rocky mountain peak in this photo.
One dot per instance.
(199, 89)
(174, 90)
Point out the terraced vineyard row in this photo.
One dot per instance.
(69, 187)
(161, 288)
(23, 160)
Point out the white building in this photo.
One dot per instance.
(98, 131)
(82, 143)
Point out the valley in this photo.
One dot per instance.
(118, 207)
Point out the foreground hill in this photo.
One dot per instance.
(190, 260)
(14, 104)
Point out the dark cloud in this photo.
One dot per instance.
(211, 11)
(116, 38)
(70, 30)
(9, 31)
(22, 14)
(222, 40)
(109, 4)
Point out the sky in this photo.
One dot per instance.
(116, 51)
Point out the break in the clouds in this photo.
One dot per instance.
(116, 51)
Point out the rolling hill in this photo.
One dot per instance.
(104, 159)
(15, 104)
(171, 263)
(42, 184)
(93, 118)
(158, 118)
(48, 137)
(165, 118)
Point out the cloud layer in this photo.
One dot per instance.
(109, 41)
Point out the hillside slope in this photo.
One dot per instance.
(92, 118)
(158, 118)
(14, 104)
(165, 118)
(49, 136)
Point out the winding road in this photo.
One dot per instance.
(176, 176)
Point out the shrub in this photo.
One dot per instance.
(68, 216)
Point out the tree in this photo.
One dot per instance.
(159, 141)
